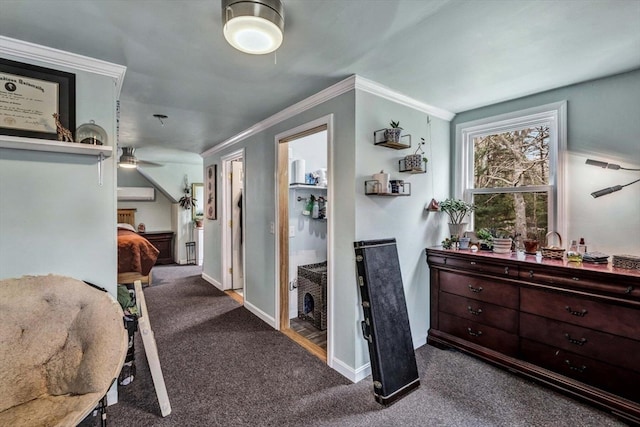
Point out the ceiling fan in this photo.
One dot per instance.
(130, 161)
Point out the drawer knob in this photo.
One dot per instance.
(530, 274)
(474, 334)
(473, 263)
(580, 342)
(474, 312)
(628, 290)
(506, 271)
(580, 313)
(475, 290)
(580, 369)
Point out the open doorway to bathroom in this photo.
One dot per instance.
(233, 218)
(303, 234)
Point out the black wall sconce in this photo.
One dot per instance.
(615, 188)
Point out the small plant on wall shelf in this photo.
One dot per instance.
(393, 133)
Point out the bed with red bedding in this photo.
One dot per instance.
(135, 253)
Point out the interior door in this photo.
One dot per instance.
(237, 237)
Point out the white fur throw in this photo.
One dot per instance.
(62, 342)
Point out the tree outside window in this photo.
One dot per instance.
(509, 167)
(512, 160)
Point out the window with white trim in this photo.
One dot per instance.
(510, 167)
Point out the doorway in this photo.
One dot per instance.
(233, 218)
(304, 230)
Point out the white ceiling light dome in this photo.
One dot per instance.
(253, 26)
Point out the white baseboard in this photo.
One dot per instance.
(356, 375)
(213, 281)
(269, 320)
(353, 375)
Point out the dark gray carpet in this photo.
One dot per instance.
(163, 274)
(224, 367)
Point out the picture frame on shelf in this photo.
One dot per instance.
(210, 192)
(29, 97)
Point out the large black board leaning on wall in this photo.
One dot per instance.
(386, 323)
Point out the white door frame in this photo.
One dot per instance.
(328, 121)
(227, 255)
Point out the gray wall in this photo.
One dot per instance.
(260, 204)
(402, 218)
(355, 216)
(603, 122)
(54, 217)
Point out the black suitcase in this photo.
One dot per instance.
(386, 323)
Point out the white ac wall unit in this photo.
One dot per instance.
(136, 193)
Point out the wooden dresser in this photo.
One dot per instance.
(572, 326)
(163, 241)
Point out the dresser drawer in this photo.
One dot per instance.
(582, 279)
(598, 374)
(608, 348)
(481, 266)
(481, 312)
(486, 336)
(567, 307)
(492, 291)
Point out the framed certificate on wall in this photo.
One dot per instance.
(29, 97)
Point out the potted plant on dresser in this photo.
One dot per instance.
(457, 210)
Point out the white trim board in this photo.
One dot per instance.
(269, 320)
(25, 50)
(213, 281)
(350, 83)
(353, 375)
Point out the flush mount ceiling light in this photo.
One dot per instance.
(253, 26)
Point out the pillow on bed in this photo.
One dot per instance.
(126, 226)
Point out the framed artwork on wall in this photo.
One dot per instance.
(210, 192)
(30, 96)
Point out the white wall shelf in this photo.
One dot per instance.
(306, 187)
(379, 139)
(372, 188)
(53, 146)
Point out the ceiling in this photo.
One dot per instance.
(452, 54)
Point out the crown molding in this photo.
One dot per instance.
(324, 95)
(350, 83)
(377, 89)
(30, 51)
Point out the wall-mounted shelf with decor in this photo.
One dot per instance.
(53, 146)
(403, 167)
(306, 187)
(372, 188)
(379, 139)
